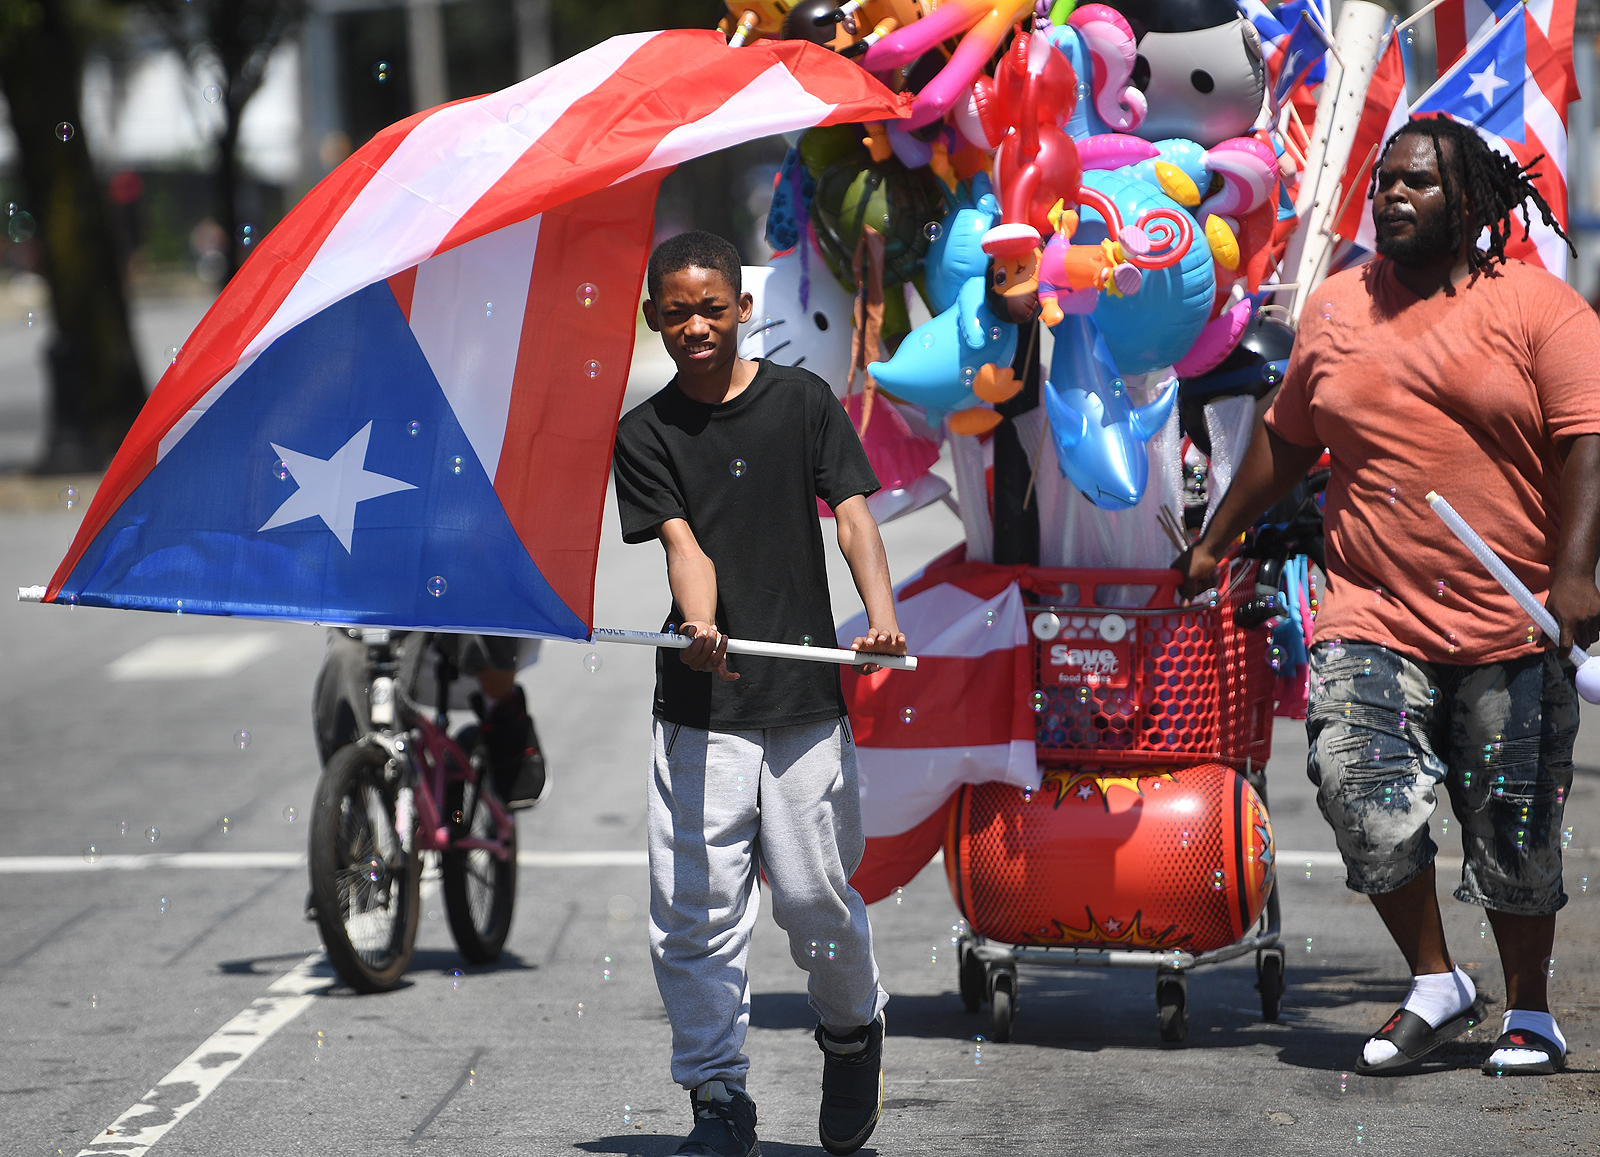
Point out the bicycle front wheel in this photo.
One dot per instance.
(479, 887)
(365, 869)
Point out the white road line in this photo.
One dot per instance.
(22, 865)
(192, 656)
(198, 1075)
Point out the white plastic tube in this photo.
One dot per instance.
(766, 650)
(1588, 685)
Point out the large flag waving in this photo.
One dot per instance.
(1383, 113)
(400, 411)
(1512, 87)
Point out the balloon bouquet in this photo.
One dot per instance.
(1114, 170)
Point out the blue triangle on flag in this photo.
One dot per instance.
(1485, 88)
(372, 453)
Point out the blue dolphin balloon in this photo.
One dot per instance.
(937, 362)
(1099, 438)
(956, 255)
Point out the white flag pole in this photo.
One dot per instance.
(765, 650)
(1344, 92)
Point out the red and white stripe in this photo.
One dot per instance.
(516, 197)
(961, 717)
(1385, 110)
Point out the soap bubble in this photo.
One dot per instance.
(68, 496)
(927, 339)
(247, 235)
(124, 827)
(1216, 881)
(488, 309)
(91, 855)
(933, 955)
(1084, 694)
(162, 905)
(455, 465)
(375, 870)
(456, 977)
(738, 467)
(1308, 944)
(224, 825)
(1327, 311)
(967, 376)
(832, 950)
(805, 641)
(580, 1010)
(1183, 839)
(1393, 493)
(437, 586)
(1027, 795)
(588, 294)
(1440, 588)
(932, 230)
(380, 71)
(64, 131)
(994, 333)
(280, 470)
(1533, 634)
(21, 226)
(242, 739)
(1483, 929)
(591, 369)
(1308, 869)
(414, 428)
(152, 834)
(1454, 644)
(592, 662)
(1039, 702)
(627, 1114)
(30, 319)
(989, 618)
(516, 114)
(977, 1050)
(812, 948)
(172, 353)
(212, 94)
(1344, 1078)
(908, 715)
(1566, 838)
(1550, 967)
(290, 814)
(899, 896)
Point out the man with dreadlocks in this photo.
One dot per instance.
(1443, 365)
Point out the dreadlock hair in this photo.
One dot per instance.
(1491, 185)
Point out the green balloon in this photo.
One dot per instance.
(898, 202)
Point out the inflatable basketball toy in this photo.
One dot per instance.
(1145, 859)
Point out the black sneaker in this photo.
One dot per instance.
(508, 737)
(852, 1086)
(724, 1124)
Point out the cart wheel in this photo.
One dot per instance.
(971, 977)
(1269, 982)
(1004, 1002)
(1173, 1005)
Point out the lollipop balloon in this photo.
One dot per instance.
(1588, 679)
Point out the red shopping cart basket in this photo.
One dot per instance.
(1149, 683)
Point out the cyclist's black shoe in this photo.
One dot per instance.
(724, 1124)
(852, 1086)
(515, 761)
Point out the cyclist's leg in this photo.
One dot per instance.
(507, 729)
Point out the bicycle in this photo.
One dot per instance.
(401, 789)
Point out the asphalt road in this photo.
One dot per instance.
(110, 976)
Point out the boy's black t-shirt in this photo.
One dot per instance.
(745, 476)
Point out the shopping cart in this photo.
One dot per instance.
(1148, 844)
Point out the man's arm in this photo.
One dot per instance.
(1574, 600)
(862, 547)
(692, 576)
(1270, 469)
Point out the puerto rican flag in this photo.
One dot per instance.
(962, 717)
(1277, 28)
(1385, 111)
(401, 410)
(1512, 87)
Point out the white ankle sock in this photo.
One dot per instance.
(1542, 1023)
(1436, 998)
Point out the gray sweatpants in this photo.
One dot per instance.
(724, 804)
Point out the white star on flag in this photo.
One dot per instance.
(1486, 83)
(331, 488)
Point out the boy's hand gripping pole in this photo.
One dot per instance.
(767, 650)
(1588, 667)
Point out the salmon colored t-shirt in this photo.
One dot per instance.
(1472, 393)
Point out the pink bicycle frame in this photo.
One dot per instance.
(433, 753)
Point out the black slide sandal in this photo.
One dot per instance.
(1525, 1038)
(1416, 1038)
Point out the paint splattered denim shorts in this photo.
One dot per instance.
(1386, 731)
